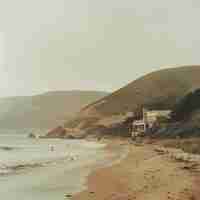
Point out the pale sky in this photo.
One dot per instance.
(92, 44)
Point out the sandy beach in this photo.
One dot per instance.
(142, 175)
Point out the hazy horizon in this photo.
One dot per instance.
(52, 91)
(92, 45)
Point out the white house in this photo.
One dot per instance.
(151, 116)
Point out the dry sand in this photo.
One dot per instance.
(142, 175)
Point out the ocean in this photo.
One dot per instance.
(45, 169)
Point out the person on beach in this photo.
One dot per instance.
(51, 148)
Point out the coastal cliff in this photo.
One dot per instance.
(157, 90)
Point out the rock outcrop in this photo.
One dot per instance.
(58, 132)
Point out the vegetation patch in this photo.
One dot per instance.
(191, 145)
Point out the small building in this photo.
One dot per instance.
(151, 116)
(139, 127)
(149, 119)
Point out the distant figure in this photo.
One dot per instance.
(32, 135)
(51, 148)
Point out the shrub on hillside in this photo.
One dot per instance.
(186, 106)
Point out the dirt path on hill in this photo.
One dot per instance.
(143, 175)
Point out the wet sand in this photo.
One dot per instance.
(142, 175)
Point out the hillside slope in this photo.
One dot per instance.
(185, 118)
(160, 90)
(44, 111)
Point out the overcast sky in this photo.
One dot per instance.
(92, 44)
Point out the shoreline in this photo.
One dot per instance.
(70, 164)
(142, 174)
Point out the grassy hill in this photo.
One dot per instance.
(44, 111)
(160, 90)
